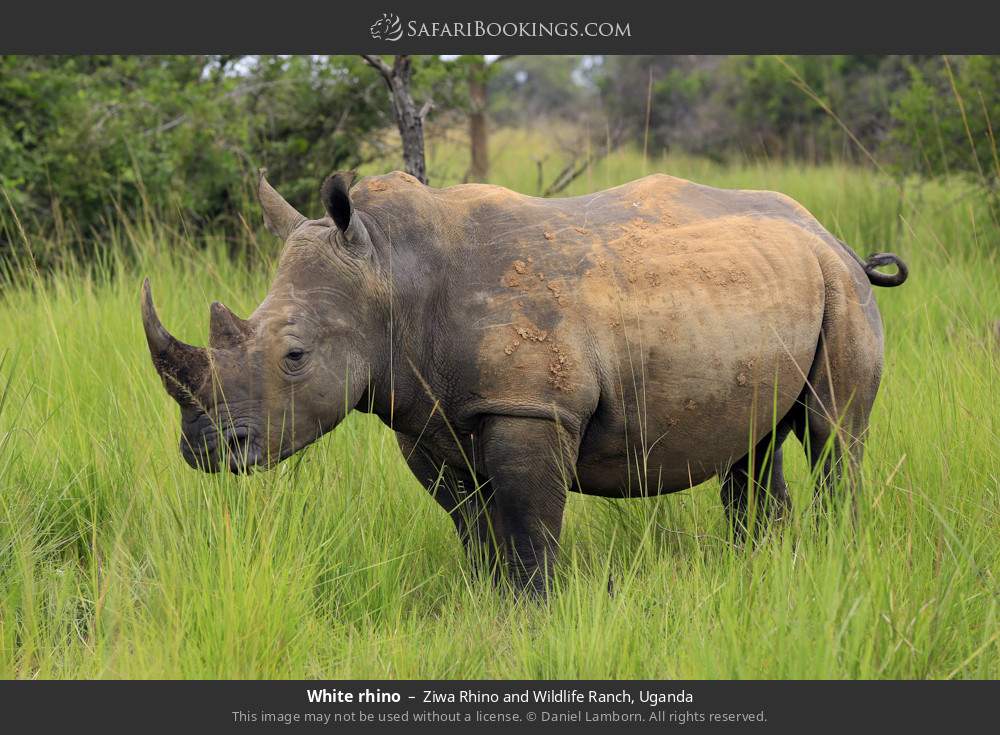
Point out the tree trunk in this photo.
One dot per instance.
(479, 165)
(409, 119)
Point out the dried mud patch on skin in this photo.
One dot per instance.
(739, 277)
(517, 276)
(531, 333)
(560, 363)
(745, 374)
(635, 238)
(557, 292)
(600, 273)
(525, 334)
(560, 368)
(523, 276)
(723, 276)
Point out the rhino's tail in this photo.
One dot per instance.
(885, 279)
(877, 260)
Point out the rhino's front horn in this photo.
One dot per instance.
(225, 329)
(182, 367)
(280, 217)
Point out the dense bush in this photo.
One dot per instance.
(948, 116)
(82, 136)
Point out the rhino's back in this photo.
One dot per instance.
(657, 199)
(481, 224)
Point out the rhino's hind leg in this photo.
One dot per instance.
(837, 402)
(834, 445)
(753, 503)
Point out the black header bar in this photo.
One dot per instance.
(453, 27)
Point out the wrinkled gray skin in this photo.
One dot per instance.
(636, 341)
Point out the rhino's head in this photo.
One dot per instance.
(269, 385)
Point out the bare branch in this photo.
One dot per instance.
(576, 167)
(376, 62)
(166, 126)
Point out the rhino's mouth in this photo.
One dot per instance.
(211, 449)
(243, 452)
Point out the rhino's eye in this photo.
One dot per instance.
(294, 361)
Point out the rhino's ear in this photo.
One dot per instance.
(336, 196)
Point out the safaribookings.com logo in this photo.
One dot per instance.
(387, 28)
(390, 28)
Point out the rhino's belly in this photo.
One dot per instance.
(683, 431)
(620, 481)
(684, 408)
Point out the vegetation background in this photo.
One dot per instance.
(116, 560)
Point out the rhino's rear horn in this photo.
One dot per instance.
(280, 217)
(225, 329)
(181, 366)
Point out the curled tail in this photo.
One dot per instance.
(885, 279)
(877, 260)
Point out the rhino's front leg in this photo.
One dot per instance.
(457, 492)
(530, 463)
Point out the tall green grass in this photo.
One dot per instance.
(116, 560)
